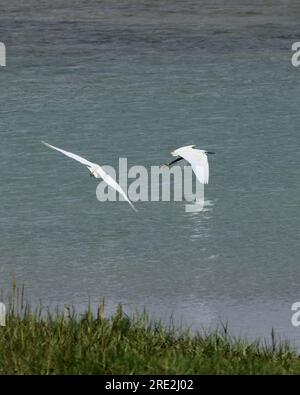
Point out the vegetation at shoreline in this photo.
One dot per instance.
(35, 342)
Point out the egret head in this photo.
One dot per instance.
(92, 169)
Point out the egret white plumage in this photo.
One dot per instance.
(96, 171)
(197, 158)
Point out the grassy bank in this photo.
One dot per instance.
(36, 343)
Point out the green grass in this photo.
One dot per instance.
(44, 343)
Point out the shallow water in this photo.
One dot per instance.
(138, 79)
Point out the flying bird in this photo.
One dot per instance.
(95, 170)
(197, 158)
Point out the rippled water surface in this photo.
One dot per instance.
(137, 79)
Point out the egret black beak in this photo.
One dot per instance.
(92, 175)
(209, 152)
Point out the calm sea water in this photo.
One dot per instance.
(137, 79)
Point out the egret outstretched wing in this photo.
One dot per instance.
(70, 155)
(112, 183)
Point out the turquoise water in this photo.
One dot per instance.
(138, 79)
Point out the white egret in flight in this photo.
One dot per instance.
(96, 171)
(197, 158)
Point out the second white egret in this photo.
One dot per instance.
(197, 158)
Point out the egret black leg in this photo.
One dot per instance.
(175, 160)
